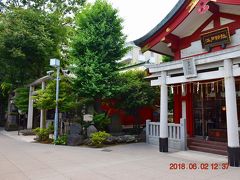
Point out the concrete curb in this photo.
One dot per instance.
(14, 135)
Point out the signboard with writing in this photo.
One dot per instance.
(220, 37)
(189, 68)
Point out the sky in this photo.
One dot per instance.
(140, 16)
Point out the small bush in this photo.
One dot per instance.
(42, 133)
(61, 140)
(98, 138)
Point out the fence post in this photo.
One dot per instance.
(183, 134)
(147, 130)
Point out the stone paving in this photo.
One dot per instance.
(21, 159)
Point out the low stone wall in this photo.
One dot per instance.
(173, 144)
(176, 134)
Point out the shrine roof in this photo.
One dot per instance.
(186, 21)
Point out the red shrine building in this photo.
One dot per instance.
(203, 37)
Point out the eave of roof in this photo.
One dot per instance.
(177, 7)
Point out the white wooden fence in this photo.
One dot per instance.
(176, 134)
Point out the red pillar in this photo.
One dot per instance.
(177, 110)
(177, 105)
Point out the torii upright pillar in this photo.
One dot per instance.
(30, 109)
(232, 117)
(163, 140)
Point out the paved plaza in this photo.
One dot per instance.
(21, 159)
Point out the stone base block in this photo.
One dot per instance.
(163, 144)
(234, 156)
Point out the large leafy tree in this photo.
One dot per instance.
(62, 6)
(97, 45)
(32, 32)
(134, 91)
(28, 39)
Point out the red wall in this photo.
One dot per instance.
(144, 113)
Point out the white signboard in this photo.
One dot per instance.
(87, 117)
(189, 68)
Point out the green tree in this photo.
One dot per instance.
(97, 45)
(28, 39)
(32, 32)
(166, 58)
(134, 92)
(21, 99)
(61, 6)
(46, 99)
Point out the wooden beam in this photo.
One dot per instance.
(186, 41)
(230, 16)
(231, 2)
(174, 40)
(214, 8)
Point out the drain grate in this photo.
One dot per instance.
(106, 150)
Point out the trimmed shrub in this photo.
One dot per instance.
(42, 134)
(98, 138)
(61, 140)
